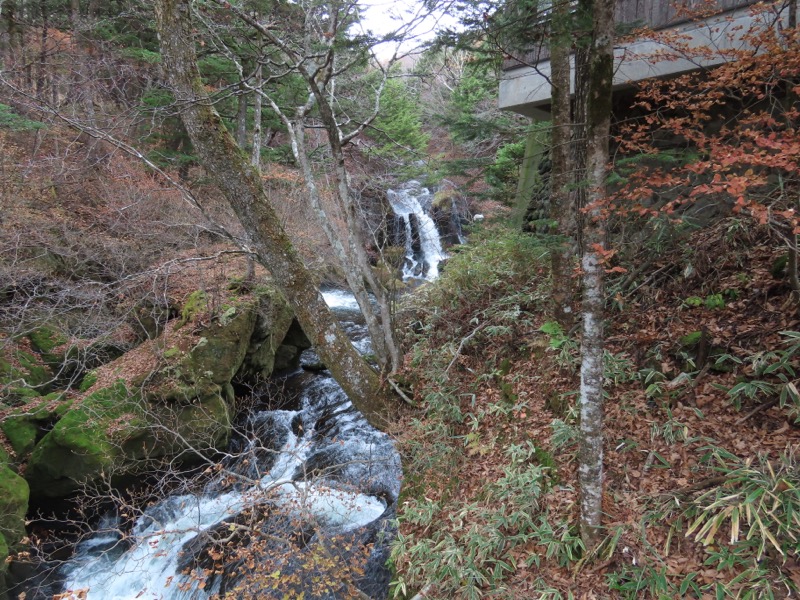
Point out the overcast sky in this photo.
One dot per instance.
(384, 16)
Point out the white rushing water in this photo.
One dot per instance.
(412, 200)
(325, 435)
(340, 299)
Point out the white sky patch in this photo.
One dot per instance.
(417, 24)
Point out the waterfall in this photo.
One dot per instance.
(320, 466)
(421, 237)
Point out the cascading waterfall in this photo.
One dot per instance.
(321, 464)
(422, 241)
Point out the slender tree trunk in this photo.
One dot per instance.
(242, 187)
(561, 207)
(14, 55)
(41, 76)
(255, 158)
(382, 328)
(354, 271)
(241, 118)
(598, 123)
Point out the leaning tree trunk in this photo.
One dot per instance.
(598, 122)
(243, 189)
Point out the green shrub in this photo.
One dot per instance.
(9, 119)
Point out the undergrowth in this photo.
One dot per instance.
(696, 508)
(482, 309)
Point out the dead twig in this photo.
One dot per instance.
(400, 392)
(461, 345)
(760, 408)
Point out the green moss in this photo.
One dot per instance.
(46, 339)
(171, 352)
(21, 433)
(443, 198)
(195, 303)
(14, 495)
(88, 381)
(86, 441)
(24, 425)
(691, 339)
(31, 369)
(23, 392)
(224, 349)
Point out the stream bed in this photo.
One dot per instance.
(302, 504)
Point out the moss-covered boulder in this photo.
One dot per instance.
(169, 398)
(23, 372)
(13, 507)
(25, 425)
(273, 328)
(114, 433)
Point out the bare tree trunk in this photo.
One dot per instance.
(241, 118)
(242, 187)
(255, 158)
(598, 123)
(13, 40)
(41, 76)
(561, 207)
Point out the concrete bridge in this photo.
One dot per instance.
(525, 86)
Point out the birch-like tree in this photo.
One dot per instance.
(599, 73)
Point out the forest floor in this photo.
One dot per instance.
(701, 435)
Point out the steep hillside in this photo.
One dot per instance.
(701, 440)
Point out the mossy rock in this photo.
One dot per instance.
(21, 433)
(273, 327)
(45, 340)
(195, 304)
(203, 427)
(26, 425)
(223, 350)
(114, 431)
(389, 277)
(287, 356)
(14, 495)
(86, 441)
(25, 374)
(88, 381)
(149, 318)
(443, 199)
(181, 410)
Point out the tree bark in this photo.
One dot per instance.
(241, 117)
(561, 207)
(255, 157)
(597, 127)
(242, 187)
